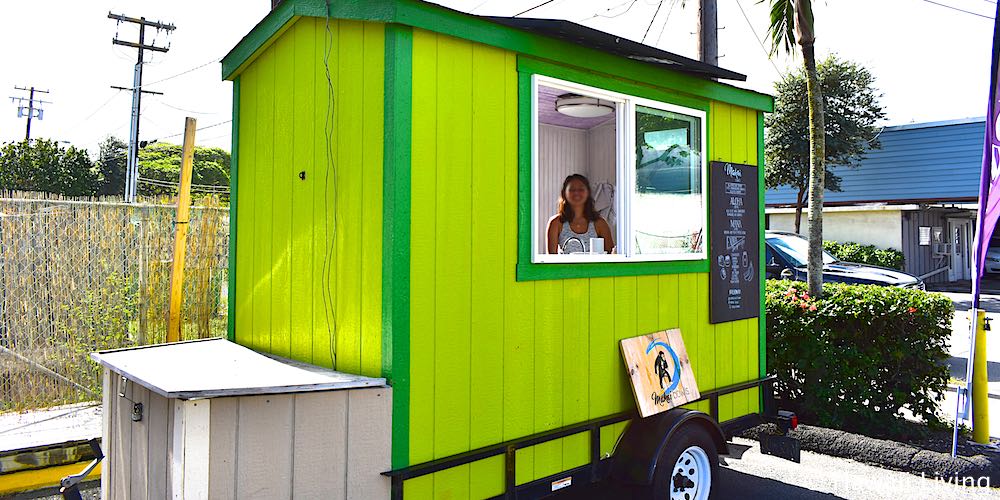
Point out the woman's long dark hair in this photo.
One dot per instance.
(566, 211)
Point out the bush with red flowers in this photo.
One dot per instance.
(855, 358)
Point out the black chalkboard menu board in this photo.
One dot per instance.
(734, 241)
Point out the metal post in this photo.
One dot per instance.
(963, 395)
(133, 140)
(980, 386)
(132, 165)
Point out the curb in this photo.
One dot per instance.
(889, 454)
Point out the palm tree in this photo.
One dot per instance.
(791, 23)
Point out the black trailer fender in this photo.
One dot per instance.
(644, 439)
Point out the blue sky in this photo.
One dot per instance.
(932, 63)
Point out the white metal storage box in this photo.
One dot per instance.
(220, 421)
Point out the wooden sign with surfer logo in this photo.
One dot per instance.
(660, 371)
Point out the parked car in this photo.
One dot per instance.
(787, 256)
(993, 258)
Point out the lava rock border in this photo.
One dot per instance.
(889, 454)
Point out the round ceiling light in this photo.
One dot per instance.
(579, 106)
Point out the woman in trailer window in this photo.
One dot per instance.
(577, 221)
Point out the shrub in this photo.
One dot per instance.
(103, 318)
(853, 359)
(865, 254)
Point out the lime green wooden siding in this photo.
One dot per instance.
(289, 266)
(492, 358)
(733, 134)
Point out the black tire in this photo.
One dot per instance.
(689, 435)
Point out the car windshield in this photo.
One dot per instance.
(796, 250)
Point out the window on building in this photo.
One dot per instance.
(644, 162)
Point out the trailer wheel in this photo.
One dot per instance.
(687, 466)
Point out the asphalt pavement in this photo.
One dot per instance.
(755, 476)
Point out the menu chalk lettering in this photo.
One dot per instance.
(734, 241)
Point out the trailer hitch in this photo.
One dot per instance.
(70, 485)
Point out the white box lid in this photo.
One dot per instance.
(217, 367)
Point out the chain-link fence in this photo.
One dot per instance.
(83, 275)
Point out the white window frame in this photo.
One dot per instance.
(625, 108)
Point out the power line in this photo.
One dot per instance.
(202, 187)
(171, 106)
(196, 130)
(478, 6)
(205, 188)
(171, 77)
(609, 9)
(958, 9)
(203, 140)
(95, 111)
(543, 4)
(651, 21)
(663, 28)
(759, 41)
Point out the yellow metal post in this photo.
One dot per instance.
(980, 388)
(180, 233)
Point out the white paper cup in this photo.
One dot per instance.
(597, 245)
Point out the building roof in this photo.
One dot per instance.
(606, 42)
(918, 163)
(561, 42)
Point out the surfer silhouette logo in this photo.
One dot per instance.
(661, 367)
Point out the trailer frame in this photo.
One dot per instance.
(598, 468)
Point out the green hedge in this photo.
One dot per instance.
(865, 254)
(854, 358)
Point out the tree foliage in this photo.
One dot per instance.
(43, 165)
(162, 162)
(111, 164)
(852, 109)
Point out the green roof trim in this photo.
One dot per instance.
(265, 32)
(440, 19)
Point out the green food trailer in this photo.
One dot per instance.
(395, 164)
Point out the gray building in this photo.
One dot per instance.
(917, 194)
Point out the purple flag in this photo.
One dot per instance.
(989, 185)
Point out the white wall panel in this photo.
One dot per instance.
(881, 228)
(561, 151)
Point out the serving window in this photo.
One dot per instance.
(615, 177)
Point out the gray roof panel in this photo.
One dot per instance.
(937, 162)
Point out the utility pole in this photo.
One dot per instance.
(32, 110)
(708, 32)
(132, 168)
